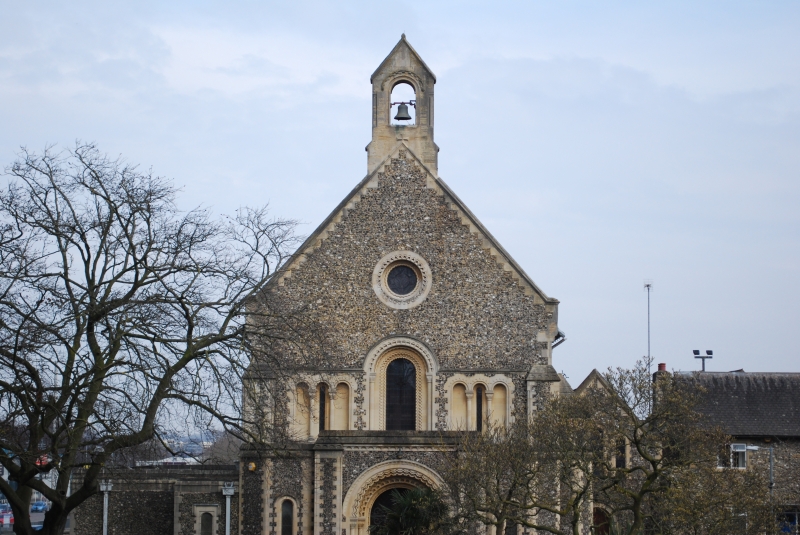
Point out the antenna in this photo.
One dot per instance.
(648, 286)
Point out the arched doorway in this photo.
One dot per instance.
(401, 395)
(377, 514)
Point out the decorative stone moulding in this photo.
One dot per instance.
(401, 259)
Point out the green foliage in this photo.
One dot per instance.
(415, 512)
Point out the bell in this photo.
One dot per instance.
(402, 113)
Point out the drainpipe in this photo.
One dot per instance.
(227, 491)
(105, 488)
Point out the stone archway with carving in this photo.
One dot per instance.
(378, 479)
(379, 357)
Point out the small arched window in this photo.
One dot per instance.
(287, 517)
(206, 524)
(601, 524)
(401, 395)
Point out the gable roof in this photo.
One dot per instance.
(403, 42)
(752, 404)
(594, 379)
(467, 218)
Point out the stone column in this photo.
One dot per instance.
(489, 407)
(371, 403)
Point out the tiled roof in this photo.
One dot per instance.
(752, 404)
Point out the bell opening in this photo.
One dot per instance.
(403, 112)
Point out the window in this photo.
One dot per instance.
(206, 524)
(788, 521)
(401, 395)
(479, 408)
(601, 524)
(287, 517)
(738, 455)
(323, 394)
(621, 458)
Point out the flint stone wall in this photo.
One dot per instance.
(476, 316)
(151, 500)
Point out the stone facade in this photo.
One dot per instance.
(474, 328)
(161, 501)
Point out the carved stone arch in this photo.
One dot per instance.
(378, 479)
(431, 362)
(426, 366)
(407, 77)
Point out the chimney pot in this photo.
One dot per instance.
(662, 366)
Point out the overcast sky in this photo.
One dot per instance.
(602, 143)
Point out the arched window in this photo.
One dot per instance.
(206, 521)
(403, 93)
(601, 522)
(479, 410)
(401, 395)
(287, 517)
(323, 394)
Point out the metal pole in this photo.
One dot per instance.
(648, 322)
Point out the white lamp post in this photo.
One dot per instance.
(105, 488)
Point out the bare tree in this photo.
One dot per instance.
(634, 448)
(121, 318)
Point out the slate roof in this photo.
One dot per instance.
(752, 404)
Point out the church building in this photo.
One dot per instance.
(430, 327)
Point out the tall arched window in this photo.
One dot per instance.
(401, 395)
(479, 409)
(323, 394)
(287, 517)
(206, 521)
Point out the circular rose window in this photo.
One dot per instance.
(402, 279)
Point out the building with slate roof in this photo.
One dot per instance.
(761, 413)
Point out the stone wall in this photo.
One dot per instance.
(786, 459)
(253, 496)
(129, 513)
(476, 316)
(159, 501)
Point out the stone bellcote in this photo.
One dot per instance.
(402, 66)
